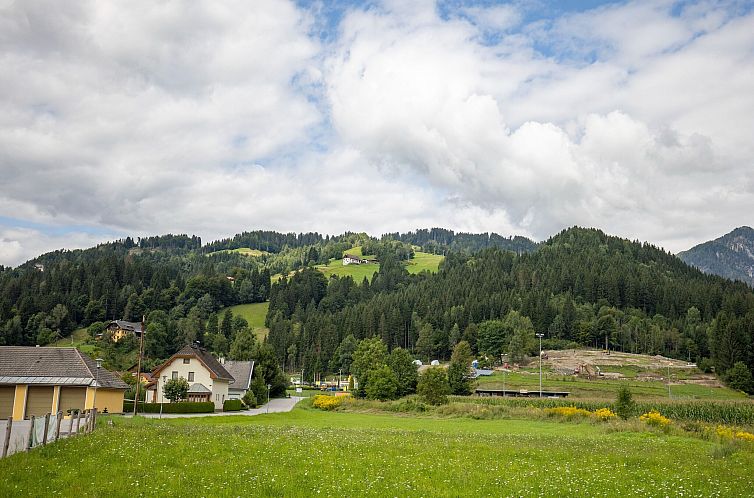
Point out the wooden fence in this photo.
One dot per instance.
(52, 429)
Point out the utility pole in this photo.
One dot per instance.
(138, 364)
(540, 363)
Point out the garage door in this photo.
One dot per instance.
(6, 401)
(38, 401)
(72, 397)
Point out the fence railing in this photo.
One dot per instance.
(49, 428)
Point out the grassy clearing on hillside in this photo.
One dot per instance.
(357, 272)
(308, 452)
(253, 313)
(605, 389)
(77, 338)
(424, 261)
(245, 251)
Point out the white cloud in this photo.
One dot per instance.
(213, 118)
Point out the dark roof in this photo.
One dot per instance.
(129, 326)
(353, 257)
(241, 372)
(53, 366)
(209, 361)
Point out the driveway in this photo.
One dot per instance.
(277, 405)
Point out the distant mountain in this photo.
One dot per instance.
(730, 256)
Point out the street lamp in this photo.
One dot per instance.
(268, 397)
(502, 360)
(96, 382)
(340, 378)
(540, 363)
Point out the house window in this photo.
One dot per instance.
(186, 361)
(175, 374)
(191, 377)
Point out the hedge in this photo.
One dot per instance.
(232, 405)
(180, 407)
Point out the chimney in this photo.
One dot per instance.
(222, 360)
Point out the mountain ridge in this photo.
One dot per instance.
(730, 256)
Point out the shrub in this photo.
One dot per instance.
(567, 412)
(176, 389)
(232, 405)
(383, 384)
(624, 403)
(739, 377)
(655, 419)
(604, 414)
(249, 399)
(745, 436)
(180, 407)
(324, 402)
(433, 386)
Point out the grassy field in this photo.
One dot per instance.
(245, 251)
(254, 313)
(307, 452)
(603, 388)
(424, 261)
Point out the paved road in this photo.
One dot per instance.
(276, 406)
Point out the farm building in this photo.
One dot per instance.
(120, 328)
(207, 378)
(37, 381)
(350, 259)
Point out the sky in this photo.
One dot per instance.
(522, 118)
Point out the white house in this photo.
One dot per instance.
(350, 259)
(208, 380)
(241, 372)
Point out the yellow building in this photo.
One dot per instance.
(37, 381)
(121, 328)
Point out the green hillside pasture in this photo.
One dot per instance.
(310, 453)
(424, 261)
(254, 313)
(245, 251)
(357, 272)
(581, 388)
(76, 339)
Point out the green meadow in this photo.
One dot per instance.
(253, 313)
(313, 453)
(244, 251)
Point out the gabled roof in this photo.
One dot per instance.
(241, 372)
(353, 257)
(129, 326)
(216, 370)
(69, 366)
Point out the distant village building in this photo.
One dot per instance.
(39, 267)
(350, 259)
(120, 328)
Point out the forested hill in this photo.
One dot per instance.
(581, 286)
(730, 256)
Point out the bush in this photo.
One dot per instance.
(705, 365)
(655, 419)
(604, 414)
(433, 386)
(624, 404)
(739, 377)
(180, 407)
(324, 402)
(232, 405)
(568, 411)
(383, 384)
(250, 400)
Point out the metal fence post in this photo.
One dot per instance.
(29, 439)
(6, 442)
